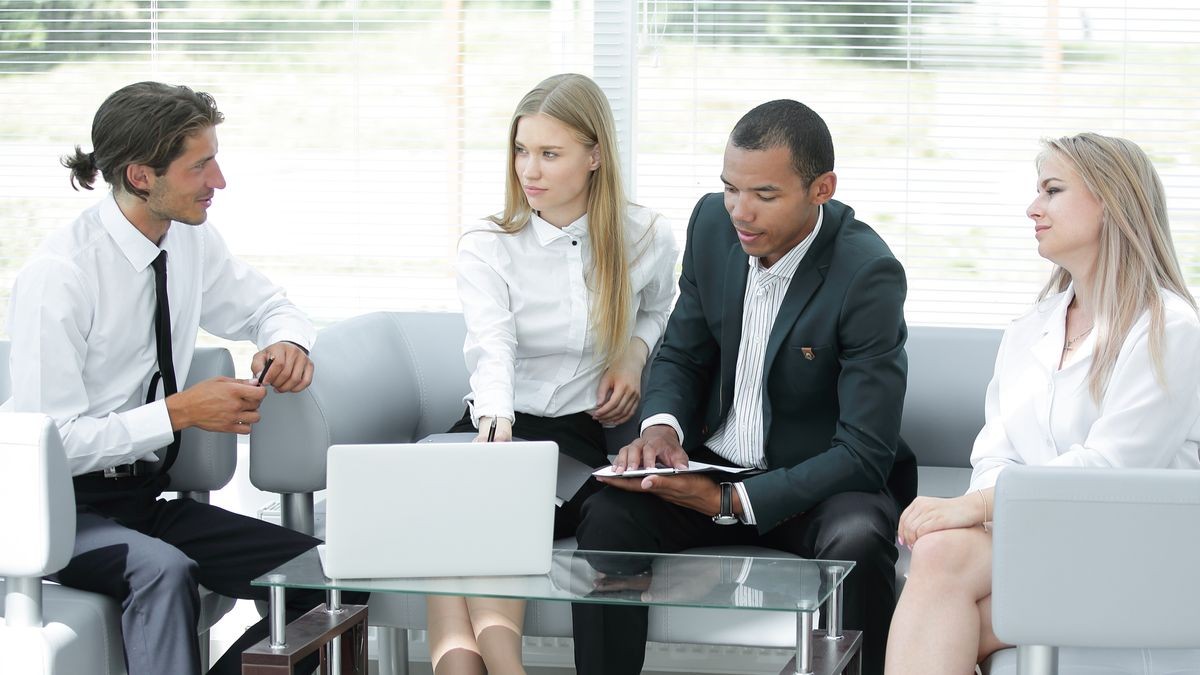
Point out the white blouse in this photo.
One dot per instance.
(1037, 414)
(527, 304)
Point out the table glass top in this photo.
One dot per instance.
(681, 580)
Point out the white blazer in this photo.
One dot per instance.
(1037, 414)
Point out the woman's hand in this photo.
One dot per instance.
(930, 514)
(503, 430)
(621, 386)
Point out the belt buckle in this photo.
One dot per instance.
(122, 471)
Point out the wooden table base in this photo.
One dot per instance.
(308, 634)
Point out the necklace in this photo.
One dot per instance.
(1071, 341)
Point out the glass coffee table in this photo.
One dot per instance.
(771, 584)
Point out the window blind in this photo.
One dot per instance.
(936, 109)
(362, 134)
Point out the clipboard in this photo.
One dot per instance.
(693, 467)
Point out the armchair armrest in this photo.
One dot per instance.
(1058, 580)
(39, 507)
(206, 459)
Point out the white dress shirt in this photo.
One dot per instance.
(1037, 414)
(739, 439)
(526, 302)
(81, 321)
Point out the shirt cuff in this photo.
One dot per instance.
(302, 339)
(149, 428)
(663, 418)
(477, 412)
(985, 479)
(747, 516)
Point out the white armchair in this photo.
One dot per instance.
(1094, 571)
(47, 628)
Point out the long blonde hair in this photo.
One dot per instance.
(578, 102)
(1137, 256)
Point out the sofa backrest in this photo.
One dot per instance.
(948, 373)
(396, 377)
(384, 377)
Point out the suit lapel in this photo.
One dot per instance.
(806, 282)
(737, 268)
(807, 279)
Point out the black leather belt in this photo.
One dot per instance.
(122, 471)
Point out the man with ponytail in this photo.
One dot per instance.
(103, 323)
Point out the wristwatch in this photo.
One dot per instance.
(726, 517)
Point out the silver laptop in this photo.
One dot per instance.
(439, 509)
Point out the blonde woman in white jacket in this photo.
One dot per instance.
(1103, 372)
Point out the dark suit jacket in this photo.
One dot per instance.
(832, 421)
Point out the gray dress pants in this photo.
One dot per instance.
(151, 554)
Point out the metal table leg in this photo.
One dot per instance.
(278, 613)
(833, 608)
(804, 643)
(333, 605)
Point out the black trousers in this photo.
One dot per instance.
(858, 526)
(150, 555)
(578, 436)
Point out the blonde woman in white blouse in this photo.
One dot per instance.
(564, 293)
(1103, 372)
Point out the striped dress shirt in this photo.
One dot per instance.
(740, 438)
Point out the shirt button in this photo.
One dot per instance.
(574, 242)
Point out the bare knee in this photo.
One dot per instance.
(501, 650)
(459, 661)
(951, 555)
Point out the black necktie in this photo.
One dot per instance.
(162, 339)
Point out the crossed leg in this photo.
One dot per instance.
(943, 621)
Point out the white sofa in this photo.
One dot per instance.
(397, 377)
(46, 627)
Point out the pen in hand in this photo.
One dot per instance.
(492, 432)
(263, 373)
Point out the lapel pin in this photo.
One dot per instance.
(808, 353)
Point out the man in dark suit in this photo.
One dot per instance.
(785, 352)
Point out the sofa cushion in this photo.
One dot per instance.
(82, 631)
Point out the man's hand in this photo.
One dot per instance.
(218, 404)
(291, 370)
(658, 444)
(695, 491)
(503, 430)
(621, 386)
